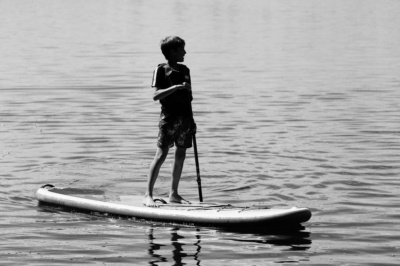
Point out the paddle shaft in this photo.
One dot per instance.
(196, 158)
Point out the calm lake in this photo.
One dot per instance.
(296, 102)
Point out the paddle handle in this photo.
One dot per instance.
(196, 158)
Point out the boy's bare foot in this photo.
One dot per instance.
(178, 199)
(149, 202)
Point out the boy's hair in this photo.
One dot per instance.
(170, 43)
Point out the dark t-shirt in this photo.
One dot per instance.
(179, 102)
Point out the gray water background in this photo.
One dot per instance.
(296, 102)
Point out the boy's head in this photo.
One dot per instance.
(171, 43)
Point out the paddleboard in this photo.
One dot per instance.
(210, 214)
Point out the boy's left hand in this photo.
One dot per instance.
(187, 86)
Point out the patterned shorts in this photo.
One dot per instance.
(178, 130)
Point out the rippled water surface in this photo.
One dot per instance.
(296, 102)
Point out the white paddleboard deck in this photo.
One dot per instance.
(209, 214)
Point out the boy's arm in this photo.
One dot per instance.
(162, 93)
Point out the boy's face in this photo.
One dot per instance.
(178, 54)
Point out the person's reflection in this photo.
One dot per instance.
(177, 253)
(153, 247)
(177, 242)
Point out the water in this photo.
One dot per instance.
(296, 103)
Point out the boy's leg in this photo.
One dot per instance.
(180, 155)
(155, 166)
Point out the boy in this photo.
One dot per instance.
(171, 82)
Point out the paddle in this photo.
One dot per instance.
(196, 158)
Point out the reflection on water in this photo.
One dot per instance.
(184, 248)
(178, 243)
